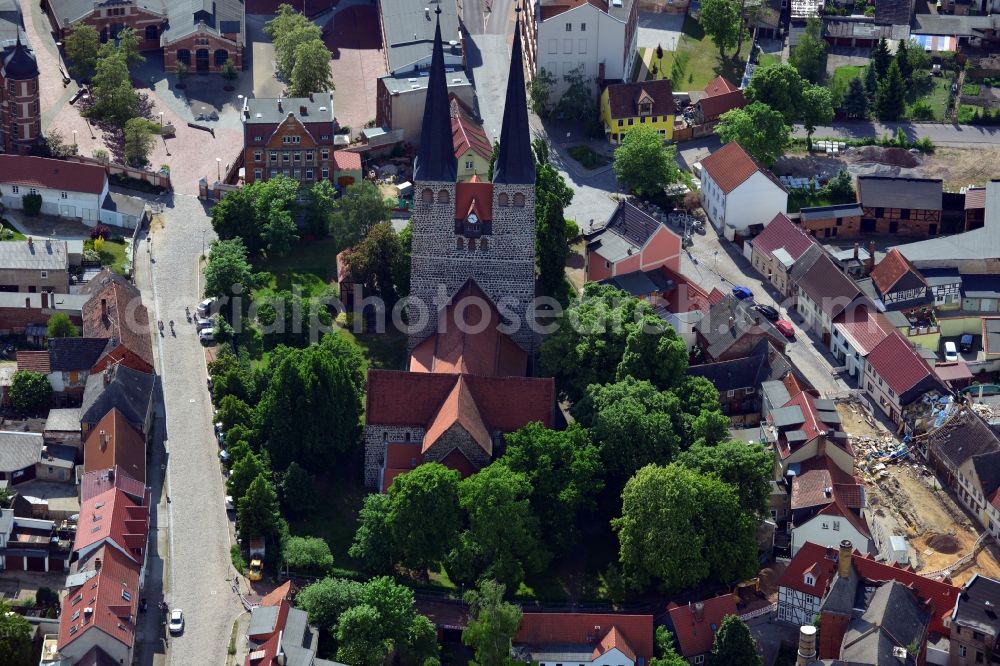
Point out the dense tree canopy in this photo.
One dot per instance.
(817, 109)
(359, 209)
(492, 624)
(809, 56)
(890, 97)
(60, 326)
(856, 99)
(82, 46)
(722, 21)
(311, 72)
(424, 516)
(261, 214)
(30, 391)
(327, 598)
(748, 468)
(15, 638)
(761, 131)
(307, 555)
(643, 164)
(228, 272)
(115, 100)
(779, 87)
(381, 264)
(259, 514)
(681, 527)
(372, 545)
(733, 645)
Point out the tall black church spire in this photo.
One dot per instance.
(436, 157)
(515, 163)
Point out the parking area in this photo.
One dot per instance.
(970, 350)
(659, 29)
(355, 40)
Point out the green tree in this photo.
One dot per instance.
(551, 248)
(326, 599)
(565, 472)
(234, 411)
(311, 408)
(809, 56)
(15, 638)
(357, 211)
(287, 30)
(298, 495)
(421, 642)
(128, 46)
(244, 472)
(746, 467)
(880, 57)
(654, 351)
(258, 510)
(642, 163)
(82, 46)
(577, 102)
(633, 423)
(666, 653)
(779, 87)
(234, 217)
(138, 141)
(492, 624)
(229, 71)
(903, 59)
(817, 109)
(733, 645)
(280, 231)
(424, 517)
(60, 326)
(260, 214)
(380, 264)
(319, 202)
(681, 527)
(372, 544)
(311, 72)
(291, 319)
(856, 101)
(871, 83)
(759, 129)
(890, 98)
(307, 555)
(722, 21)
(502, 541)
(30, 391)
(115, 100)
(228, 267)
(704, 422)
(539, 89)
(360, 638)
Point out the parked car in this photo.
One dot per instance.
(785, 327)
(767, 311)
(229, 503)
(965, 344)
(742, 293)
(205, 307)
(206, 335)
(950, 352)
(204, 323)
(176, 621)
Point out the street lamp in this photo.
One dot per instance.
(75, 147)
(218, 167)
(161, 121)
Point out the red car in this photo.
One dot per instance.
(785, 327)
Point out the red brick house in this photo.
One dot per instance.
(293, 137)
(694, 625)
(719, 96)
(115, 312)
(114, 443)
(631, 240)
(203, 34)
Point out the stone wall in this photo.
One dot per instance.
(457, 438)
(505, 271)
(376, 439)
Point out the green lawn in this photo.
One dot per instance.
(112, 254)
(967, 112)
(841, 80)
(971, 89)
(767, 59)
(703, 64)
(936, 97)
(586, 156)
(312, 265)
(9, 233)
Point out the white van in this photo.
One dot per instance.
(950, 352)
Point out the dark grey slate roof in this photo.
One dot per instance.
(271, 111)
(775, 393)
(436, 157)
(129, 391)
(765, 364)
(893, 12)
(987, 466)
(843, 595)
(409, 31)
(75, 354)
(515, 160)
(978, 605)
(784, 417)
(805, 262)
(262, 620)
(963, 436)
(912, 193)
(19, 62)
(629, 221)
(728, 321)
(635, 283)
(830, 212)
(894, 619)
(941, 276)
(19, 450)
(954, 25)
(828, 286)
(981, 286)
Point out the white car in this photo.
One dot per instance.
(950, 352)
(206, 335)
(205, 307)
(176, 621)
(230, 506)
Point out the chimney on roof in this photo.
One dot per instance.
(31, 243)
(857, 248)
(844, 560)
(807, 645)
(828, 492)
(311, 97)
(303, 110)
(48, 244)
(104, 307)
(279, 105)
(871, 258)
(699, 611)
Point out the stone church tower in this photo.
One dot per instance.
(474, 230)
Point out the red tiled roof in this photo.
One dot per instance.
(99, 481)
(825, 462)
(837, 508)
(720, 85)
(52, 174)
(116, 312)
(820, 561)
(714, 106)
(550, 10)
(975, 197)
(783, 233)
(105, 594)
(865, 328)
(810, 489)
(345, 160)
(686, 296)
(113, 442)
(414, 398)
(33, 361)
(474, 194)
(113, 516)
(614, 640)
(466, 133)
(541, 629)
(716, 296)
(695, 631)
(486, 352)
(730, 166)
(851, 495)
(266, 653)
(898, 363)
(623, 98)
(888, 272)
(460, 409)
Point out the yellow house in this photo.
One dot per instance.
(472, 146)
(625, 105)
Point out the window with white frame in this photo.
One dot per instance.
(64, 195)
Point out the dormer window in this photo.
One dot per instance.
(645, 105)
(809, 580)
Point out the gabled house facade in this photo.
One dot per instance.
(901, 206)
(694, 625)
(803, 583)
(776, 249)
(975, 627)
(34, 266)
(896, 375)
(473, 149)
(291, 136)
(856, 332)
(899, 284)
(718, 97)
(825, 513)
(631, 240)
(731, 329)
(68, 189)
(821, 293)
(737, 191)
(836, 221)
(627, 105)
(584, 638)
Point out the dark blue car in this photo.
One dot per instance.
(742, 293)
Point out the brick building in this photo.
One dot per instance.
(292, 137)
(203, 34)
(840, 220)
(20, 115)
(902, 206)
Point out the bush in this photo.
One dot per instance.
(32, 204)
(237, 558)
(572, 231)
(30, 391)
(100, 231)
(971, 89)
(921, 111)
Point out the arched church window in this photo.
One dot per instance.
(472, 245)
(443, 197)
(482, 244)
(503, 200)
(519, 200)
(427, 195)
(459, 243)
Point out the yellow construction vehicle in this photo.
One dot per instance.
(256, 570)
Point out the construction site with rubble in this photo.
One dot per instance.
(905, 498)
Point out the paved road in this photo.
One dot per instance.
(940, 134)
(198, 569)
